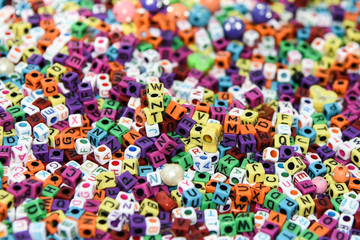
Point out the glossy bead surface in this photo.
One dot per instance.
(261, 13)
(341, 174)
(212, 5)
(234, 28)
(124, 11)
(320, 183)
(152, 6)
(199, 16)
(6, 66)
(172, 174)
(177, 12)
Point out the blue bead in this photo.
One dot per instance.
(225, 83)
(96, 135)
(75, 212)
(338, 30)
(303, 34)
(241, 8)
(331, 109)
(234, 28)
(261, 13)
(112, 53)
(316, 169)
(10, 141)
(192, 198)
(308, 132)
(286, 234)
(28, 69)
(289, 207)
(221, 103)
(199, 16)
(222, 193)
(235, 50)
(295, 124)
(144, 170)
(222, 150)
(152, 6)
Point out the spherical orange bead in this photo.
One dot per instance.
(341, 174)
(177, 11)
(212, 5)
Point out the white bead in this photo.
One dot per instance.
(22, 128)
(50, 115)
(86, 190)
(334, 142)
(237, 175)
(271, 154)
(344, 221)
(349, 205)
(82, 146)
(301, 221)
(307, 66)
(189, 213)
(102, 154)
(152, 226)
(300, 176)
(283, 129)
(202, 163)
(213, 226)
(172, 174)
(283, 76)
(345, 150)
(41, 132)
(152, 130)
(14, 54)
(62, 111)
(132, 152)
(202, 40)
(154, 178)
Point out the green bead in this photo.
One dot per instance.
(207, 202)
(336, 202)
(78, 29)
(8, 224)
(292, 227)
(167, 100)
(285, 47)
(1, 170)
(303, 47)
(177, 43)
(318, 118)
(17, 113)
(272, 199)
(156, 237)
(144, 46)
(227, 225)
(87, 4)
(308, 235)
(105, 124)
(184, 159)
(227, 163)
(200, 62)
(174, 135)
(271, 59)
(221, 17)
(35, 210)
(244, 222)
(3, 50)
(119, 131)
(111, 104)
(292, 141)
(44, 69)
(245, 162)
(50, 191)
(313, 54)
(202, 177)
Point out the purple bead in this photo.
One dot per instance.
(180, 55)
(36, 59)
(179, 148)
(247, 143)
(125, 53)
(94, 116)
(261, 13)
(60, 58)
(306, 187)
(126, 181)
(75, 106)
(157, 189)
(101, 16)
(337, 234)
(75, 61)
(22, 235)
(142, 191)
(60, 204)
(184, 126)
(234, 28)
(167, 38)
(270, 228)
(246, 53)
(112, 143)
(41, 152)
(232, 70)
(218, 113)
(285, 88)
(34, 20)
(156, 158)
(338, 13)
(229, 140)
(112, 192)
(308, 81)
(109, 113)
(165, 52)
(350, 133)
(137, 225)
(99, 66)
(71, 80)
(7, 121)
(269, 167)
(71, 176)
(325, 152)
(128, 112)
(285, 152)
(167, 79)
(56, 155)
(92, 205)
(164, 217)
(195, 73)
(258, 157)
(61, 126)
(152, 6)
(200, 216)
(220, 44)
(85, 91)
(19, 192)
(34, 188)
(210, 82)
(85, 12)
(5, 155)
(134, 89)
(145, 144)
(76, 46)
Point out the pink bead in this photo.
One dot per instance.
(124, 11)
(320, 183)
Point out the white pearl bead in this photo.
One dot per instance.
(6, 66)
(172, 174)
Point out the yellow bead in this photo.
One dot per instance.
(155, 88)
(193, 47)
(330, 164)
(105, 180)
(47, 9)
(155, 102)
(15, 97)
(21, 28)
(176, 196)
(57, 99)
(101, 224)
(329, 179)
(355, 156)
(128, 28)
(351, 33)
(331, 45)
(337, 189)
(322, 133)
(92, 22)
(200, 186)
(10, 133)
(208, 96)
(56, 71)
(249, 117)
(196, 135)
(280, 140)
(1, 135)
(272, 181)
(201, 117)
(14, 42)
(130, 165)
(273, 104)
(65, 50)
(306, 205)
(282, 118)
(70, 6)
(60, 214)
(11, 86)
(6, 198)
(152, 117)
(28, 52)
(100, 103)
(53, 133)
(243, 63)
(294, 165)
(181, 101)
(303, 142)
(278, 7)
(218, 127)
(107, 206)
(255, 172)
(149, 208)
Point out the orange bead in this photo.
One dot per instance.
(340, 86)
(341, 174)
(177, 11)
(33, 80)
(212, 5)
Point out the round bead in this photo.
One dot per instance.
(199, 16)
(172, 174)
(153, 6)
(212, 5)
(261, 13)
(124, 11)
(341, 174)
(234, 28)
(177, 12)
(320, 183)
(6, 66)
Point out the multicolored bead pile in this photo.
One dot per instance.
(174, 119)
